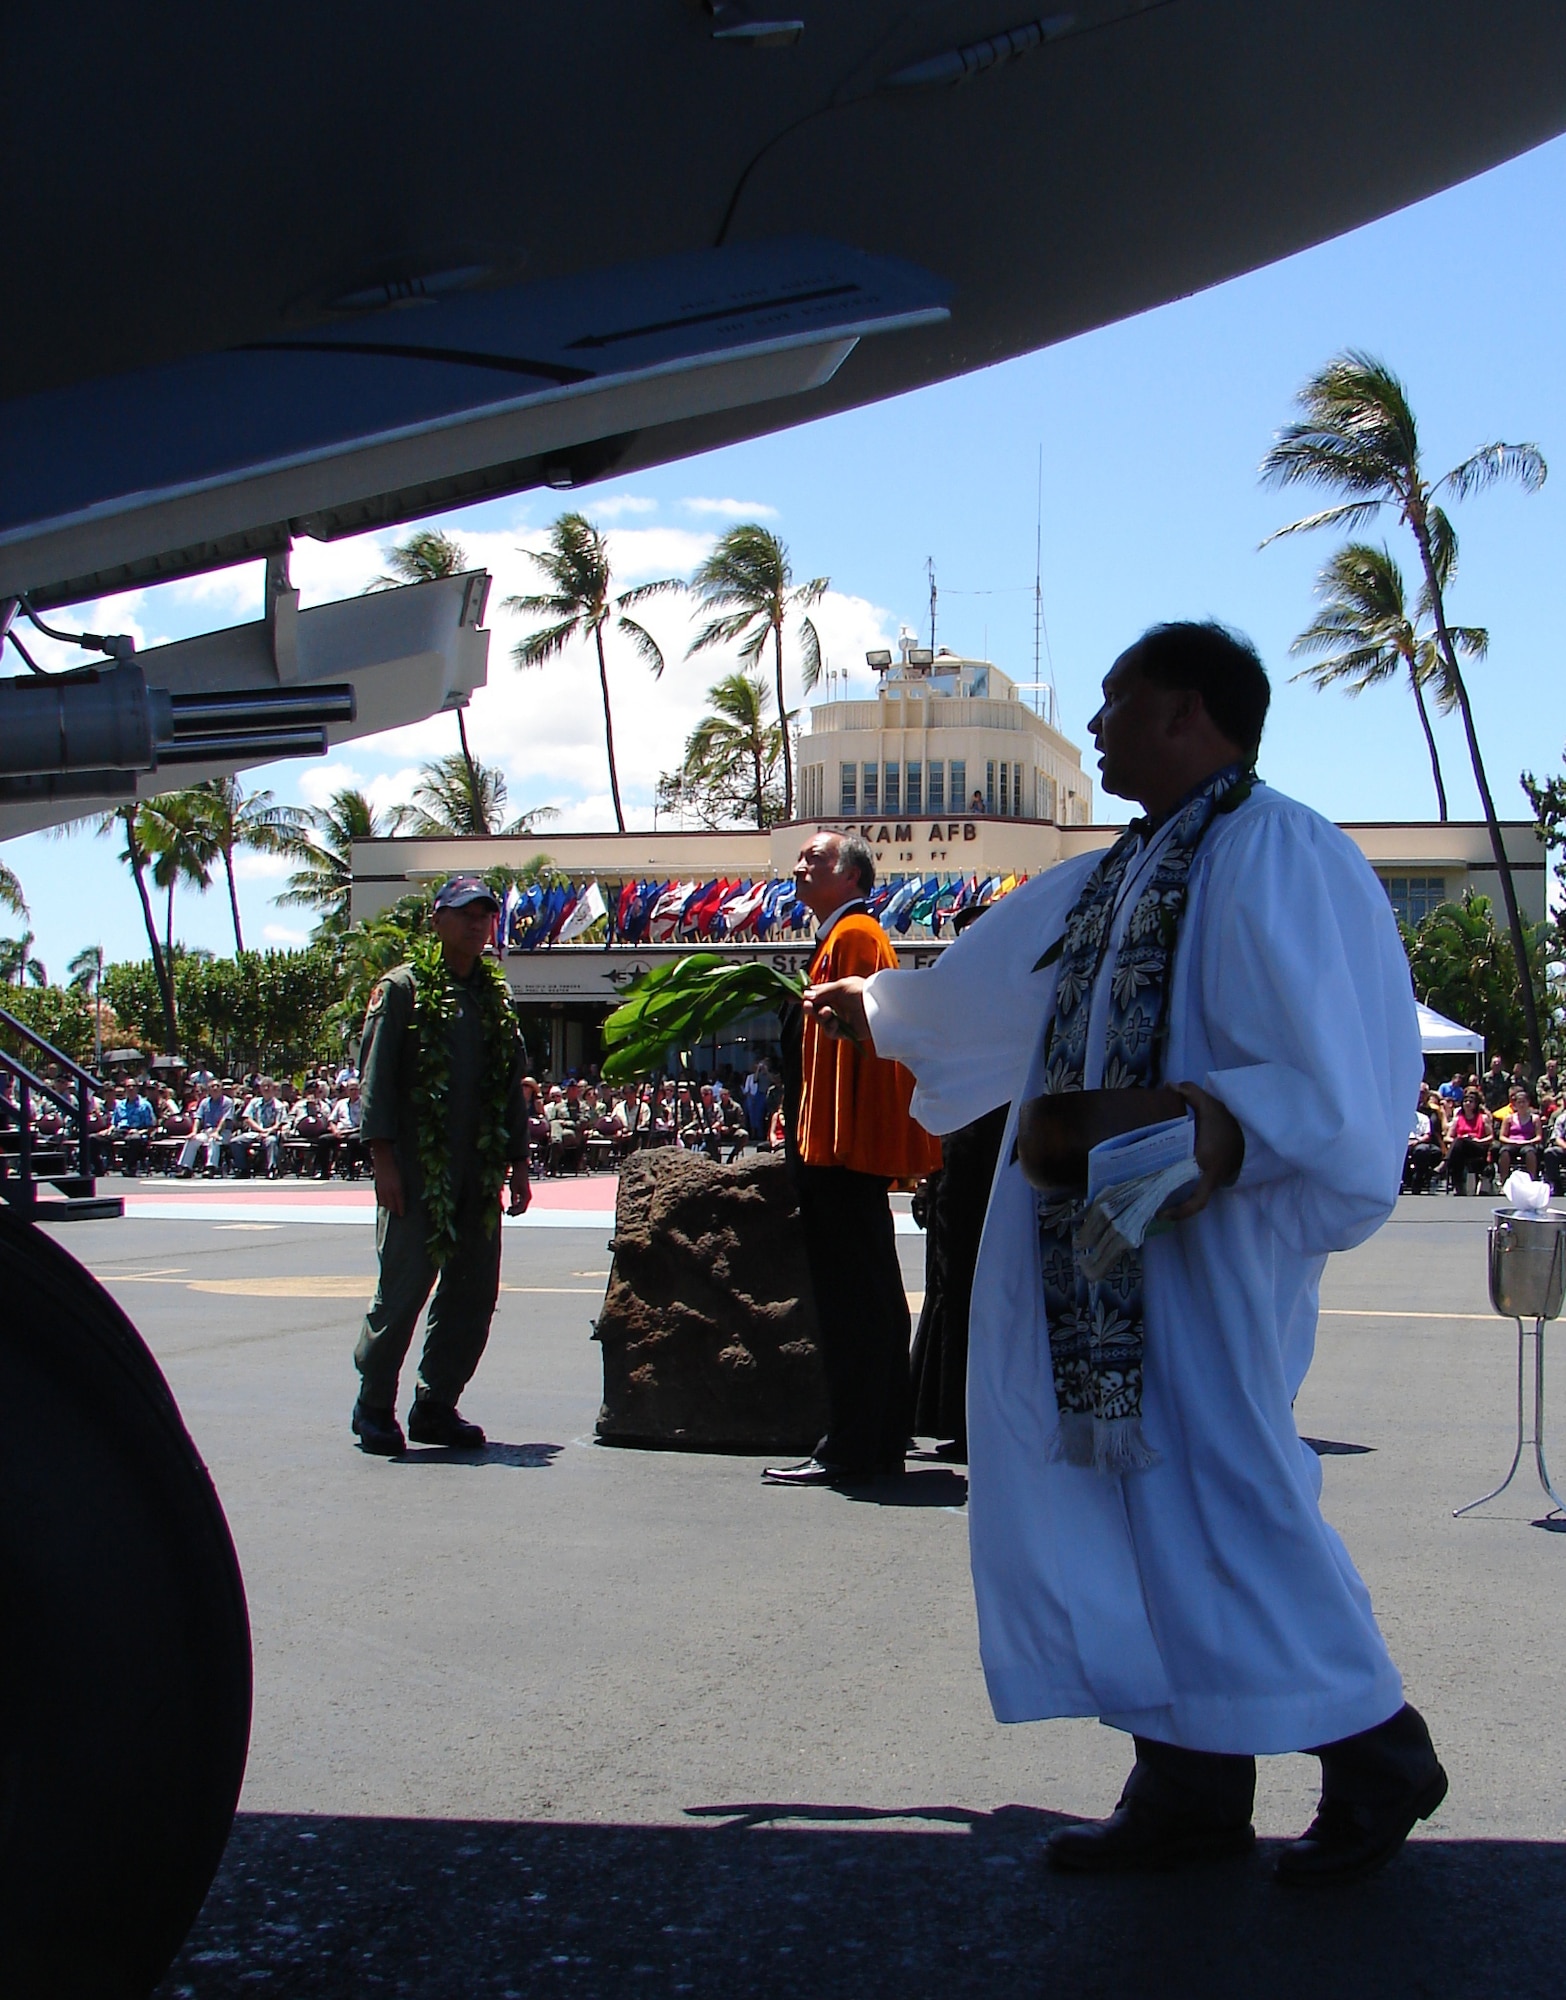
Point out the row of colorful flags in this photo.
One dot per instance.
(928, 900)
(702, 912)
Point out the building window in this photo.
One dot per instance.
(989, 785)
(1046, 795)
(1016, 791)
(914, 802)
(1415, 896)
(893, 789)
(937, 788)
(957, 786)
(848, 789)
(872, 788)
(1005, 790)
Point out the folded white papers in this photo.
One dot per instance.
(1130, 1178)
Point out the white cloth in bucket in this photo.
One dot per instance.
(1522, 1191)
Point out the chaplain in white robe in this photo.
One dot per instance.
(1201, 1601)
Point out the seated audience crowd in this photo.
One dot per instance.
(1474, 1131)
(1466, 1135)
(256, 1126)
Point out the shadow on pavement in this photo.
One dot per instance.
(526, 1455)
(938, 1487)
(829, 1901)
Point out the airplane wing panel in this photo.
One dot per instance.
(163, 470)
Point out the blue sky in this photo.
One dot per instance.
(1151, 433)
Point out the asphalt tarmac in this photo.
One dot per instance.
(567, 1719)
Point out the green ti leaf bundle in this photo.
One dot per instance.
(678, 1005)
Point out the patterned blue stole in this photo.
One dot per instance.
(1096, 1329)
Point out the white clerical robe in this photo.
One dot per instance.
(1202, 1601)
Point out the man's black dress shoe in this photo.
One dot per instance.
(810, 1472)
(1346, 1841)
(378, 1431)
(814, 1472)
(1135, 1838)
(430, 1422)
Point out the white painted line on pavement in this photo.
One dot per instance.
(230, 1212)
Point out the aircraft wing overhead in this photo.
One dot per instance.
(305, 223)
(313, 270)
(167, 470)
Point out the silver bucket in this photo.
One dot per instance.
(1528, 1262)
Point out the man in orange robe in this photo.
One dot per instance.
(854, 1137)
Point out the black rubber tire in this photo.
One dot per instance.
(124, 1644)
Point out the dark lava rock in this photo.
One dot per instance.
(708, 1327)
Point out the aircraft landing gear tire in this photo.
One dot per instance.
(125, 1659)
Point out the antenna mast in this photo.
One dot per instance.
(1038, 580)
(929, 564)
(1040, 629)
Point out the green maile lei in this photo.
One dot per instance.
(435, 1008)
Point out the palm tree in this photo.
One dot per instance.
(11, 892)
(231, 818)
(182, 847)
(1462, 966)
(1368, 637)
(426, 555)
(732, 755)
(129, 821)
(580, 602)
(17, 964)
(365, 953)
(748, 582)
(85, 975)
(456, 796)
(322, 842)
(1357, 436)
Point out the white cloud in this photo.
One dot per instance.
(237, 591)
(383, 789)
(317, 782)
(732, 510)
(390, 788)
(283, 934)
(325, 571)
(613, 505)
(587, 815)
(544, 725)
(849, 627)
(252, 867)
(640, 554)
(322, 572)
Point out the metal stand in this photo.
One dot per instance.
(1536, 1335)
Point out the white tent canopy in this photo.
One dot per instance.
(1440, 1037)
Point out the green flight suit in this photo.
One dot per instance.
(468, 1284)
